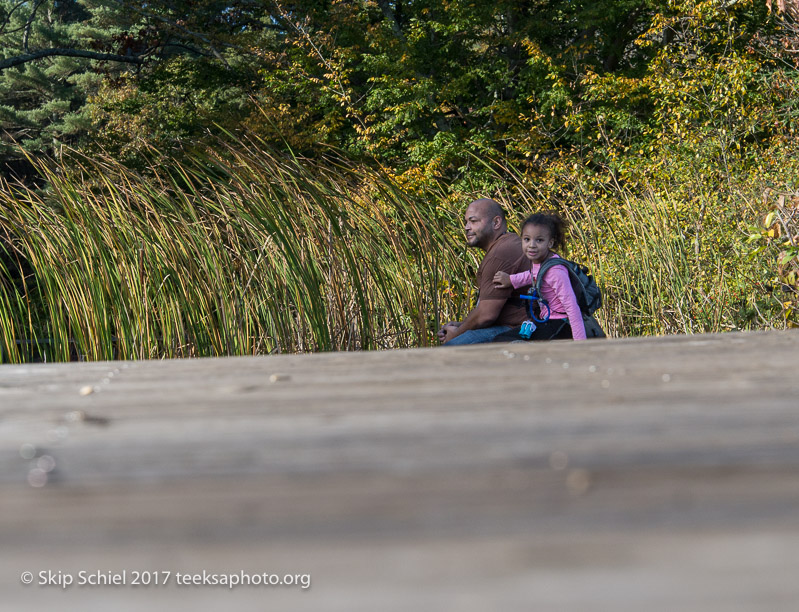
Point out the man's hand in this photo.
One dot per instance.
(448, 331)
(502, 281)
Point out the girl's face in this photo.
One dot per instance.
(536, 242)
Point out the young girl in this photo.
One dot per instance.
(540, 233)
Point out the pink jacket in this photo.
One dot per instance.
(556, 289)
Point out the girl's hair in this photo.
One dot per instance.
(554, 223)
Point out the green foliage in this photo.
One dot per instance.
(185, 57)
(40, 104)
(431, 84)
(777, 239)
(177, 104)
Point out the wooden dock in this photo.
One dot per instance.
(655, 474)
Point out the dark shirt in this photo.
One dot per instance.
(505, 255)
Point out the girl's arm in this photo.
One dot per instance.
(522, 279)
(558, 278)
(503, 280)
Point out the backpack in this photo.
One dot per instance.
(589, 297)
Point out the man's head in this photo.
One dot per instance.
(484, 222)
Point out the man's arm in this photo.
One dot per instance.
(483, 315)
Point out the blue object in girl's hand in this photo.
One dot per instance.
(528, 327)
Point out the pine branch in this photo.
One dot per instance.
(26, 35)
(18, 60)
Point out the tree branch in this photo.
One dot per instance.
(26, 35)
(175, 24)
(30, 57)
(7, 19)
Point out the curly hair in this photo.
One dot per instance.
(554, 223)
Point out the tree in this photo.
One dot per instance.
(58, 53)
(430, 83)
(46, 72)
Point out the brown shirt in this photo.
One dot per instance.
(505, 255)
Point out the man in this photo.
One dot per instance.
(497, 310)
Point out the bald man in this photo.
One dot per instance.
(497, 310)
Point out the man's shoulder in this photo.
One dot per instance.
(504, 255)
(508, 247)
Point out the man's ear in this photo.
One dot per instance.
(497, 222)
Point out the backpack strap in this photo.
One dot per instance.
(546, 265)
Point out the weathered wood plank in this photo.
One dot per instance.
(659, 473)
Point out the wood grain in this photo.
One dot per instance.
(657, 474)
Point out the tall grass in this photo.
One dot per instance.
(661, 274)
(231, 253)
(666, 264)
(239, 252)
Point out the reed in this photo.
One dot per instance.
(238, 251)
(666, 264)
(231, 253)
(657, 277)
